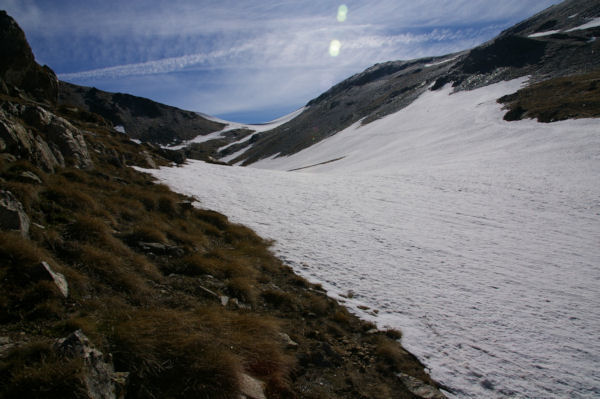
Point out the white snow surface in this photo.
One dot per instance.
(547, 33)
(229, 126)
(478, 238)
(441, 62)
(594, 23)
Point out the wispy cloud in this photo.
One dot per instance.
(228, 56)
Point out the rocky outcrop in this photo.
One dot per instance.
(28, 130)
(20, 75)
(46, 140)
(100, 379)
(66, 137)
(12, 214)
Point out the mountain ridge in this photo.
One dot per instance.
(546, 46)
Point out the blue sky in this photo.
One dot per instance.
(247, 60)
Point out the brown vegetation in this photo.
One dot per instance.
(184, 300)
(556, 99)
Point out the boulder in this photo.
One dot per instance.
(100, 379)
(251, 388)
(16, 140)
(12, 214)
(58, 131)
(420, 388)
(45, 272)
(288, 341)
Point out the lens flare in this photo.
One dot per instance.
(342, 13)
(334, 48)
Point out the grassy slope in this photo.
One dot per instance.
(153, 310)
(556, 99)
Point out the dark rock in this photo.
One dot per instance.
(177, 156)
(12, 214)
(101, 381)
(18, 69)
(186, 205)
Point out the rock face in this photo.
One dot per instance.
(101, 381)
(47, 140)
(67, 138)
(12, 214)
(19, 73)
(30, 131)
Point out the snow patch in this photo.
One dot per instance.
(594, 23)
(440, 62)
(235, 126)
(547, 33)
(120, 128)
(233, 156)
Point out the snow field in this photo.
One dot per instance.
(478, 238)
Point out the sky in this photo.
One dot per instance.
(247, 61)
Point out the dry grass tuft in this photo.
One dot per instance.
(244, 289)
(35, 371)
(173, 353)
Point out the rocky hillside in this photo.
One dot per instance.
(112, 286)
(555, 43)
(141, 118)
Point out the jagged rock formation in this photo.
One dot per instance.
(20, 75)
(47, 140)
(26, 130)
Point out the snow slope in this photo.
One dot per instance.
(234, 126)
(478, 238)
